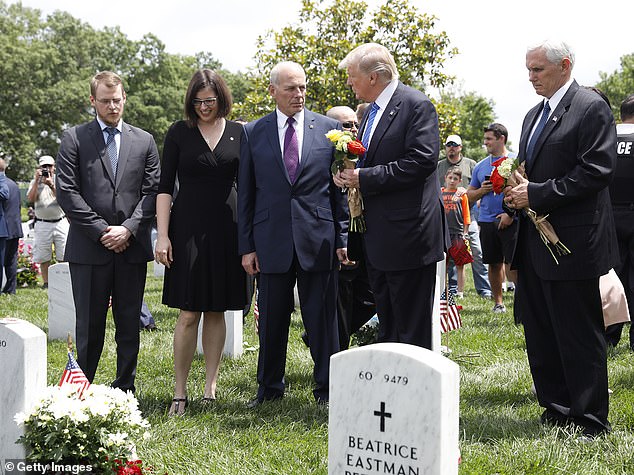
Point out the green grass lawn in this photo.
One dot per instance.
(499, 417)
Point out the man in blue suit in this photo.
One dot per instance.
(568, 144)
(11, 209)
(292, 224)
(406, 230)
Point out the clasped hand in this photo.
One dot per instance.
(116, 238)
(348, 178)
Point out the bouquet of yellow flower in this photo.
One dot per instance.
(347, 152)
(501, 177)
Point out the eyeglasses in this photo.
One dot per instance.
(452, 144)
(349, 125)
(210, 101)
(107, 102)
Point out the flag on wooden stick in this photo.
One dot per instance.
(73, 373)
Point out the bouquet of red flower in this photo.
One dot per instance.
(501, 177)
(347, 152)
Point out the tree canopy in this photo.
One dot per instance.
(620, 84)
(328, 30)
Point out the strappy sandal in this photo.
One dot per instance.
(179, 404)
(208, 401)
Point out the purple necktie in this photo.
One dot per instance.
(538, 131)
(291, 150)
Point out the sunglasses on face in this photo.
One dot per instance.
(452, 144)
(349, 125)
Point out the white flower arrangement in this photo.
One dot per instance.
(97, 428)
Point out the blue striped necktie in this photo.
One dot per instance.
(368, 129)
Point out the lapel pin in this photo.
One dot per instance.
(310, 126)
(230, 138)
(391, 113)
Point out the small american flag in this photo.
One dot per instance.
(74, 375)
(449, 313)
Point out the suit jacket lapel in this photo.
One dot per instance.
(124, 151)
(100, 145)
(274, 141)
(553, 121)
(307, 141)
(388, 116)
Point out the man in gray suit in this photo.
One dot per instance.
(107, 180)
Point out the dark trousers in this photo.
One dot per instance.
(625, 270)
(563, 326)
(404, 302)
(92, 287)
(10, 266)
(355, 302)
(317, 296)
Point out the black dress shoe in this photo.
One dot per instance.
(553, 418)
(253, 403)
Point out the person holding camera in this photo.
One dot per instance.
(51, 226)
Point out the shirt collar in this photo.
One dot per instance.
(387, 93)
(556, 98)
(282, 118)
(103, 125)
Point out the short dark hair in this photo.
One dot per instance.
(200, 80)
(454, 170)
(627, 108)
(498, 130)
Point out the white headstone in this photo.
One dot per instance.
(393, 410)
(233, 339)
(61, 305)
(22, 379)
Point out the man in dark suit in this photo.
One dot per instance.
(406, 231)
(107, 180)
(568, 146)
(291, 227)
(4, 231)
(11, 208)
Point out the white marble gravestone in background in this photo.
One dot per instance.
(393, 410)
(22, 378)
(61, 305)
(233, 340)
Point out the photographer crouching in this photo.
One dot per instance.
(51, 226)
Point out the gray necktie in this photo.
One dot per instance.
(111, 148)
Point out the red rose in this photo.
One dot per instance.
(499, 161)
(356, 148)
(498, 182)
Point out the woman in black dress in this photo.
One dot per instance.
(196, 222)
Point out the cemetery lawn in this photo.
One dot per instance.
(500, 431)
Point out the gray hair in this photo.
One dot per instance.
(281, 66)
(556, 51)
(372, 58)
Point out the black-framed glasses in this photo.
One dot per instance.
(452, 144)
(210, 101)
(350, 124)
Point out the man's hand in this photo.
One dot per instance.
(342, 255)
(116, 238)
(250, 263)
(517, 197)
(505, 220)
(348, 178)
(461, 190)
